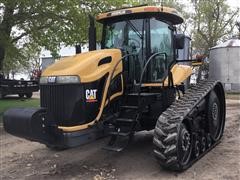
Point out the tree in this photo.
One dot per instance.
(214, 21)
(179, 6)
(45, 23)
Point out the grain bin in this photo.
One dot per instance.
(224, 64)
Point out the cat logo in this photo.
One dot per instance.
(91, 95)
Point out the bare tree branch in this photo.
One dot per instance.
(19, 37)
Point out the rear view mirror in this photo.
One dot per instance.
(179, 41)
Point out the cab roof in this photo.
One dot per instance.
(165, 13)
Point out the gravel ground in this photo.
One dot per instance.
(22, 159)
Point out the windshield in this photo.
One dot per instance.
(143, 38)
(126, 35)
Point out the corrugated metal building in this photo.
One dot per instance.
(224, 64)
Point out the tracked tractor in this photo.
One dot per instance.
(133, 83)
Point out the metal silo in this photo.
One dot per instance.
(224, 64)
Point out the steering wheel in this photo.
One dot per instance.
(137, 42)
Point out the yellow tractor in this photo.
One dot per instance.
(135, 82)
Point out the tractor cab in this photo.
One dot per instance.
(141, 32)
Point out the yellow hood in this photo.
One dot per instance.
(85, 65)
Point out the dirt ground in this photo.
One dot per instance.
(22, 159)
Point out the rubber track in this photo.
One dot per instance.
(166, 130)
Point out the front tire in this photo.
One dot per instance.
(1, 95)
(21, 95)
(29, 95)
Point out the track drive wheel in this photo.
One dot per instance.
(215, 121)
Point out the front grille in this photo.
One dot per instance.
(60, 101)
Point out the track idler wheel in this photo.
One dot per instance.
(215, 120)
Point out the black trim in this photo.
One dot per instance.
(105, 60)
(163, 16)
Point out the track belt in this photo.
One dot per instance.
(168, 124)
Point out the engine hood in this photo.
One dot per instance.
(86, 65)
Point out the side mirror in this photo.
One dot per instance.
(92, 34)
(179, 41)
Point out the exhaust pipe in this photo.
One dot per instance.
(92, 34)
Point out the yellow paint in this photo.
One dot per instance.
(197, 63)
(151, 85)
(142, 9)
(180, 74)
(85, 65)
(85, 126)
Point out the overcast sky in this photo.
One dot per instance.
(234, 3)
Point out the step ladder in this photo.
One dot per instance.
(127, 121)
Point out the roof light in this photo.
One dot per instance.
(151, 9)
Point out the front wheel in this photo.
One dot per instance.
(29, 95)
(1, 95)
(21, 95)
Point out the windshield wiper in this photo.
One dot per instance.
(134, 29)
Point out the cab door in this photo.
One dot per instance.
(160, 42)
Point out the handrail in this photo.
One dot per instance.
(113, 71)
(143, 71)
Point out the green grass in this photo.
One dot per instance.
(15, 103)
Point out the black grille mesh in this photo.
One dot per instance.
(60, 100)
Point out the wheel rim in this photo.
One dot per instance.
(216, 121)
(215, 114)
(196, 149)
(185, 146)
(203, 144)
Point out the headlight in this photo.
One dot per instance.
(67, 79)
(60, 80)
(43, 80)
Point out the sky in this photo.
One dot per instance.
(234, 3)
